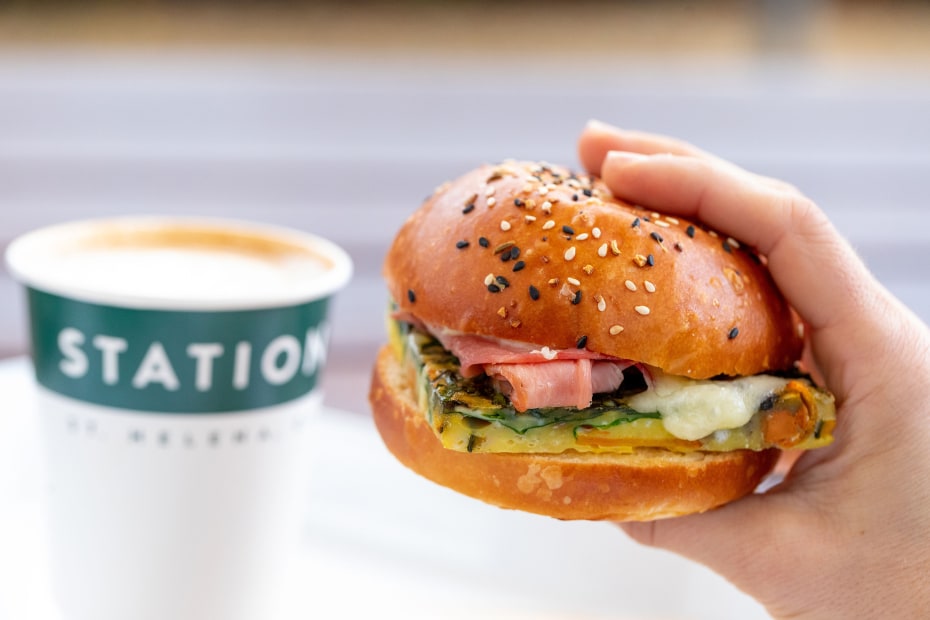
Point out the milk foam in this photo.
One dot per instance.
(165, 263)
(183, 273)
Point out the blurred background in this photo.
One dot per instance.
(340, 117)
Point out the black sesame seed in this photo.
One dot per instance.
(502, 281)
(568, 230)
(690, 231)
(651, 260)
(733, 333)
(519, 265)
(574, 197)
(462, 244)
(635, 223)
(587, 192)
(581, 342)
(483, 242)
(514, 253)
(534, 293)
(656, 236)
(411, 295)
(577, 298)
(505, 256)
(469, 208)
(494, 288)
(727, 247)
(518, 202)
(678, 246)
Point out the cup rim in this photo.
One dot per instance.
(23, 249)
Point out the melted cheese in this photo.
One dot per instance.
(693, 409)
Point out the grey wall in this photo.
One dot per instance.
(348, 147)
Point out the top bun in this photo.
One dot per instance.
(534, 253)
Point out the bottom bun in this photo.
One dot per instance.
(645, 485)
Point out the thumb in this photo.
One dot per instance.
(756, 543)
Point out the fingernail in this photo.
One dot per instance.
(600, 125)
(623, 157)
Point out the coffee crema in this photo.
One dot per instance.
(178, 262)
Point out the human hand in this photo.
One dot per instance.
(845, 535)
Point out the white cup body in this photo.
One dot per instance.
(174, 435)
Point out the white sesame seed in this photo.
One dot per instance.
(581, 237)
(662, 224)
(602, 251)
(505, 225)
(529, 218)
(712, 233)
(546, 206)
(649, 286)
(543, 190)
(492, 201)
(574, 281)
(643, 310)
(655, 215)
(549, 225)
(615, 329)
(488, 279)
(489, 190)
(733, 242)
(614, 247)
(596, 232)
(601, 304)
(673, 220)
(588, 269)
(570, 253)
(630, 285)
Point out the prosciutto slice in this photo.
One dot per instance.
(559, 383)
(474, 352)
(537, 377)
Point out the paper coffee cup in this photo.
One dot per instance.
(178, 364)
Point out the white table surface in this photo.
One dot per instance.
(383, 542)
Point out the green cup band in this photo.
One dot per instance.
(179, 362)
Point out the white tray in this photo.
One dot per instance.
(383, 542)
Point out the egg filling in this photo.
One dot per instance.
(665, 411)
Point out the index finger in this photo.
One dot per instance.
(597, 139)
(812, 265)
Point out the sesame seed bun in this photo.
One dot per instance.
(567, 261)
(532, 253)
(647, 484)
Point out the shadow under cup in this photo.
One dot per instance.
(178, 363)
